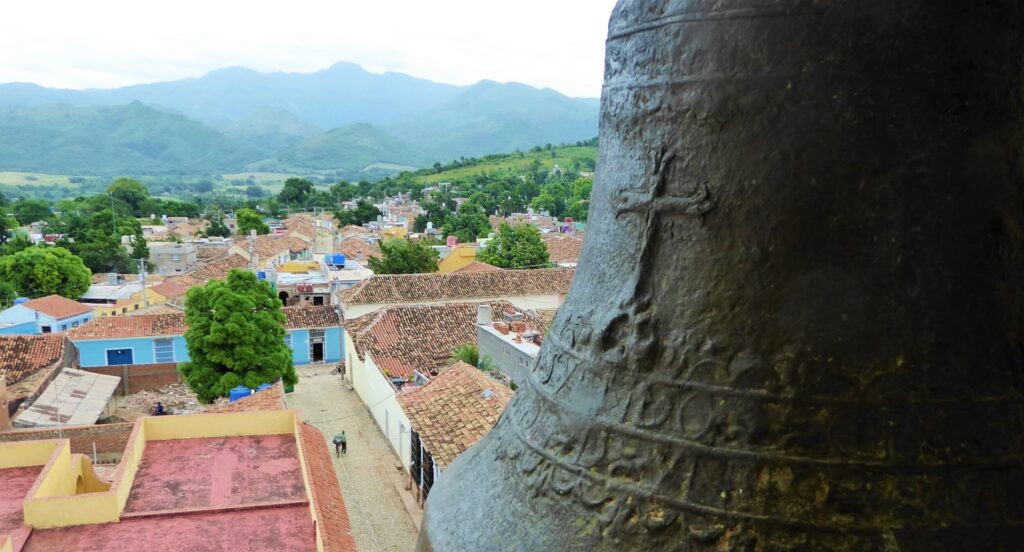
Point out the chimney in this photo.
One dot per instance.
(483, 315)
(5, 415)
(111, 278)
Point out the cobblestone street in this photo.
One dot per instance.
(367, 474)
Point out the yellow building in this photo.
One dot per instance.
(288, 498)
(461, 256)
(138, 300)
(394, 232)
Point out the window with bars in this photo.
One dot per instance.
(163, 350)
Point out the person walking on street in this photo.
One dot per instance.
(340, 444)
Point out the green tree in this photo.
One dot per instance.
(8, 293)
(131, 192)
(296, 192)
(544, 203)
(405, 257)
(235, 337)
(343, 191)
(28, 211)
(254, 191)
(468, 224)
(363, 213)
(470, 354)
(518, 246)
(217, 226)
(43, 270)
(248, 220)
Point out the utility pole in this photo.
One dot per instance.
(142, 278)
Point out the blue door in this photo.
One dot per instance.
(117, 357)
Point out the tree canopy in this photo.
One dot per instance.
(404, 257)
(518, 246)
(468, 224)
(248, 220)
(131, 192)
(44, 270)
(364, 212)
(235, 337)
(296, 192)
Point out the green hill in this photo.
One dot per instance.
(269, 130)
(517, 164)
(127, 139)
(352, 147)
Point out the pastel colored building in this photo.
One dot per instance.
(313, 333)
(51, 314)
(461, 256)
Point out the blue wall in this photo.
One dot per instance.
(93, 352)
(333, 345)
(25, 328)
(20, 315)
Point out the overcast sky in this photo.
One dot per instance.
(109, 43)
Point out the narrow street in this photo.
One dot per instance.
(367, 473)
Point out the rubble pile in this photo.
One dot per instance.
(177, 398)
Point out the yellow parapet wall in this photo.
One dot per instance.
(5, 544)
(27, 453)
(233, 424)
(68, 492)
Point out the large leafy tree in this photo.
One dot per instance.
(28, 211)
(42, 270)
(468, 224)
(405, 257)
(296, 191)
(235, 337)
(248, 220)
(130, 192)
(518, 246)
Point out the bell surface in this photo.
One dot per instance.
(798, 319)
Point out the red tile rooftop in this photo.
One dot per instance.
(286, 528)
(14, 485)
(217, 472)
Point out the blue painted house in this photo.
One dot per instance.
(51, 314)
(313, 333)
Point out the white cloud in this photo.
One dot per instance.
(107, 43)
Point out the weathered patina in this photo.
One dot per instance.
(797, 321)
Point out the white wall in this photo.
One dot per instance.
(380, 398)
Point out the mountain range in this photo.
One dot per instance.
(341, 119)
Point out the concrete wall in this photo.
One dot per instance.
(64, 324)
(511, 361)
(380, 398)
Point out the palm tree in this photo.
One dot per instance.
(470, 354)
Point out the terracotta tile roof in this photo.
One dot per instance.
(57, 306)
(171, 289)
(415, 288)
(23, 355)
(210, 253)
(310, 317)
(563, 248)
(352, 230)
(455, 410)
(271, 398)
(272, 245)
(215, 270)
(540, 319)
(420, 337)
(335, 529)
(478, 266)
(143, 325)
(359, 249)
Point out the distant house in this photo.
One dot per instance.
(461, 256)
(272, 250)
(51, 314)
(448, 415)
(394, 350)
(314, 334)
(172, 257)
(526, 289)
(563, 249)
(118, 299)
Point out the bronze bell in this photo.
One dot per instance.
(798, 320)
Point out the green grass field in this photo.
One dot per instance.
(513, 164)
(37, 179)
